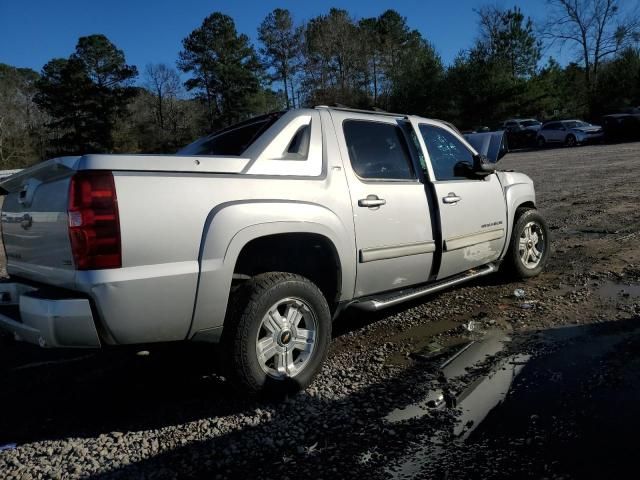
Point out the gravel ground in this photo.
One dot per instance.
(118, 415)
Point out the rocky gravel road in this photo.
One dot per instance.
(122, 415)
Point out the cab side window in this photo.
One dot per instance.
(445, 150)
(378, 150)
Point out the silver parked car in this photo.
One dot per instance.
(569, 133)
(258, 236)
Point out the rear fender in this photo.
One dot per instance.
(231, 226)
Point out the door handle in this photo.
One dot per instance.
(371, 201)
(451, 198)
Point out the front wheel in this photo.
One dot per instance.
(5, 339)
(529, 246)
(541, 142)
(278, 333)
(571, 141)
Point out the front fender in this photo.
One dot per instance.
(230, 226)
(518, 190)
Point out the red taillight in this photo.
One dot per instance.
(94, 226)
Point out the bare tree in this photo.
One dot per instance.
(597, 29)
(22, 132)
(334, 65)
(164, 82)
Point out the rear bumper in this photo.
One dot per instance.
(46, 320)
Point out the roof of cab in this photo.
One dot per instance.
(383, 113)
(358, 110)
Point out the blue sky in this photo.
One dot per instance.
(34, 31)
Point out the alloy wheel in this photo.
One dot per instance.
(531, 245)
(286, 338)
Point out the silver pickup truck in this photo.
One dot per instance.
(258, 236)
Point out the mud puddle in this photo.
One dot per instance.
(442, 337)
(571, 407)
(452, 364)
(523, 391)
(593, 231)
(608, 291)
(427, 339)
(619, 292)
(562, 290)
(472, 399)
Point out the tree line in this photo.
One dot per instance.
(93, 101)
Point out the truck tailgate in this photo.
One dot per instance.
(35, 224)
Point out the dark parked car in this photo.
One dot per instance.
(621, 127)
(521, 132)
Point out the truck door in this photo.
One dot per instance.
(473, 212)
(393, 234)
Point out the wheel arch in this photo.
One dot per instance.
(230, 230)
(517, 195)
(310, 254)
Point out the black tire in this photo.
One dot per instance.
(541, 142)
(571, 141)
(244, 325)
(5, 340)
(513, 262)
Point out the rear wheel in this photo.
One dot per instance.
(278, 333)
(529, 245)
(571, 141)
(540, 141)
(5, 339)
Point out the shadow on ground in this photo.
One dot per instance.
(57, 394)
(570, 413)
(54, 394)
(572, 410)
(101, 395)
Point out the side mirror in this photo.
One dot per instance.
(482, 166)
(463, 169)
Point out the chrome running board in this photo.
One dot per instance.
(381, 301)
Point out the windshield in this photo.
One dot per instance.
(576, 124)
(233, 140)
(530, 123)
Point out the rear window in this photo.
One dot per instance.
(576, 124)
(233, 140)
(378, 150)
(530, 123)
